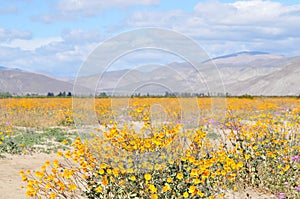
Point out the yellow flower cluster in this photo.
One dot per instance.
(255, 143)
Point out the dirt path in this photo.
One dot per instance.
(10, 166)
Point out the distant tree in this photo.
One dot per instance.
(102, 94)
(32, 95)
(167, 94)
(50, 94)
(69, 94)
(246, 96)
(5, 94)
(59, 94)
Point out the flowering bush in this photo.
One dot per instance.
(256, 145)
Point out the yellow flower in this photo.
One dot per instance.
(147, 145)
(166, 188)
(24, 178)
(201, 194)
(101, 171)
(108, 171)
(39, 174)
(196, 181)
(67, 174)
(140, 109)
(279, 166)
(169, 180)
(194, 173)
(116, 172)
(179, 176)
(56, 163)
(68, 154)
(147, 176)
(286, 167)
(133, 178)
(98, 189)
(122, 183)
(104, 181)
(72, 187)
(152, 188)
(185, 194)
(223, 172)
(192, 189)
(247, 156)
(281, 172)
(103, 165)
(64, 142)
(171, 161)
(154, 196)
(205, 174)
(52, 195)
(48, 186)
(235, 188)
(240, 164)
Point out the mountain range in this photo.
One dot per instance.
(253, 73)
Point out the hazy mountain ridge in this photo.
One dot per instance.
(285, 81)
(258, 74)
(254, 73)
(19, 82)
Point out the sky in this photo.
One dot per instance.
(57, 36)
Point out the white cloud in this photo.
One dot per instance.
(58, 55)
(92, 7)
(219, 28)
(80, 36)
(247, 22)
(243, 13)
(9, 35)
(33, 43)
(72, 9)
(8, 54)
(156, 18)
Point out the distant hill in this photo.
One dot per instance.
(255, 73)
(21, 83)
(284, 81)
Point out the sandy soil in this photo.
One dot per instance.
(248, 194)
(10, 166)
(10, 180)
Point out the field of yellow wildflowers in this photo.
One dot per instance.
(145, 152)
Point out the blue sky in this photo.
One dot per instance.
(57, 36)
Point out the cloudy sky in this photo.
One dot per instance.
(57, 36)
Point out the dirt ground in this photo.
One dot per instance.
(10, 166)
(10, 180)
